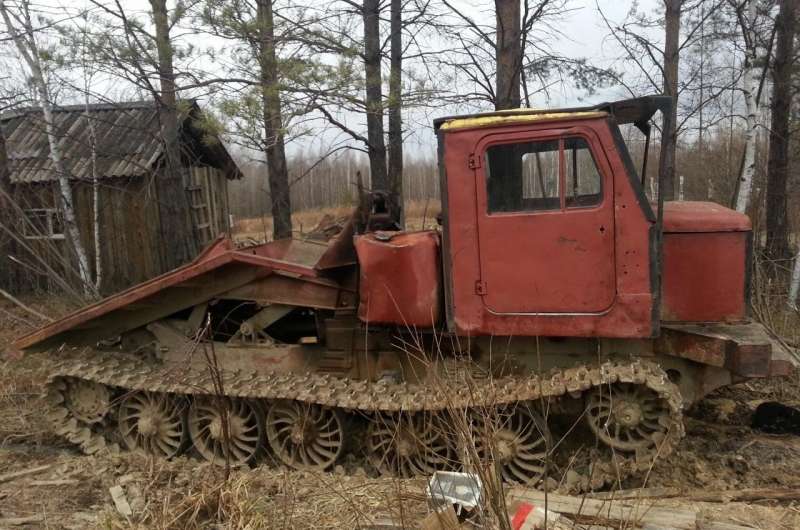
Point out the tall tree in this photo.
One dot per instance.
(510, 60)
(273, 124)
(750, 23)
(3, 162)
(371, 12)
(666, 163)
(176, 222)
(684, 63)
(509, 54)
(778, 163)
(20, 27)
(396, 101)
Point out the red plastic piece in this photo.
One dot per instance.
(399, 279)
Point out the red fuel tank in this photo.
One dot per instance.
(705, 263)
(400, 278)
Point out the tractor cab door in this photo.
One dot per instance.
(545, 223)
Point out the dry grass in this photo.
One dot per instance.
(191, 495)
(22, 379)
(420, 215)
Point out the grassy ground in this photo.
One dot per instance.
(420, 215)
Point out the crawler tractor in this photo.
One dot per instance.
(558, 313)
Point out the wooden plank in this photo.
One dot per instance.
(19, 521)
(647, 514)
(226, 209)
(211, 178)
(24, 473)
(743, 495)
(125, 259)
(56, 482)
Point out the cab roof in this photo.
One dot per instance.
(637, 111)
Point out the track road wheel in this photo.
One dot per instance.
(305, 436)
(87, 401)
(628, 417)
(244, 429)
(516, 439)
(410, 444)
(154, 423)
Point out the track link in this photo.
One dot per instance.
(130, 373)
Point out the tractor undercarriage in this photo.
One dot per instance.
(389, 413)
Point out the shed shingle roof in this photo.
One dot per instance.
(126, 137)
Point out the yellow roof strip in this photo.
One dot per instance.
(519, 116)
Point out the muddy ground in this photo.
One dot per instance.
(65, 489)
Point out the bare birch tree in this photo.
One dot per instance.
(794, 283)
(19, 26)
(750, 21)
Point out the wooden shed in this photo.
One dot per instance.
(115, 158)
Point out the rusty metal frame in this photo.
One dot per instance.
(219, 254)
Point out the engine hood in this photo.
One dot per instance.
(699, 216)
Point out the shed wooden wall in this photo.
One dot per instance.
(26, 263)
(129, 243)
(132, 249)
(129, 220)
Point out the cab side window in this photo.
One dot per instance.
(542, 175)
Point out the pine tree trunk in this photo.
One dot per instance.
(374, 103)
(177, 228)
(279, 192)
(395, 104)
(778, 162)
(508, 55)
(666, 163)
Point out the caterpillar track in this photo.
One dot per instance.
(384, 409)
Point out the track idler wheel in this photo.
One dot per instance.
(305, 436)
(87, 401)
(410, 444)
(154, 423)
(516, 439)
(628, 417)
(226, 430)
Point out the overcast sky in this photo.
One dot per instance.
(584, 36)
